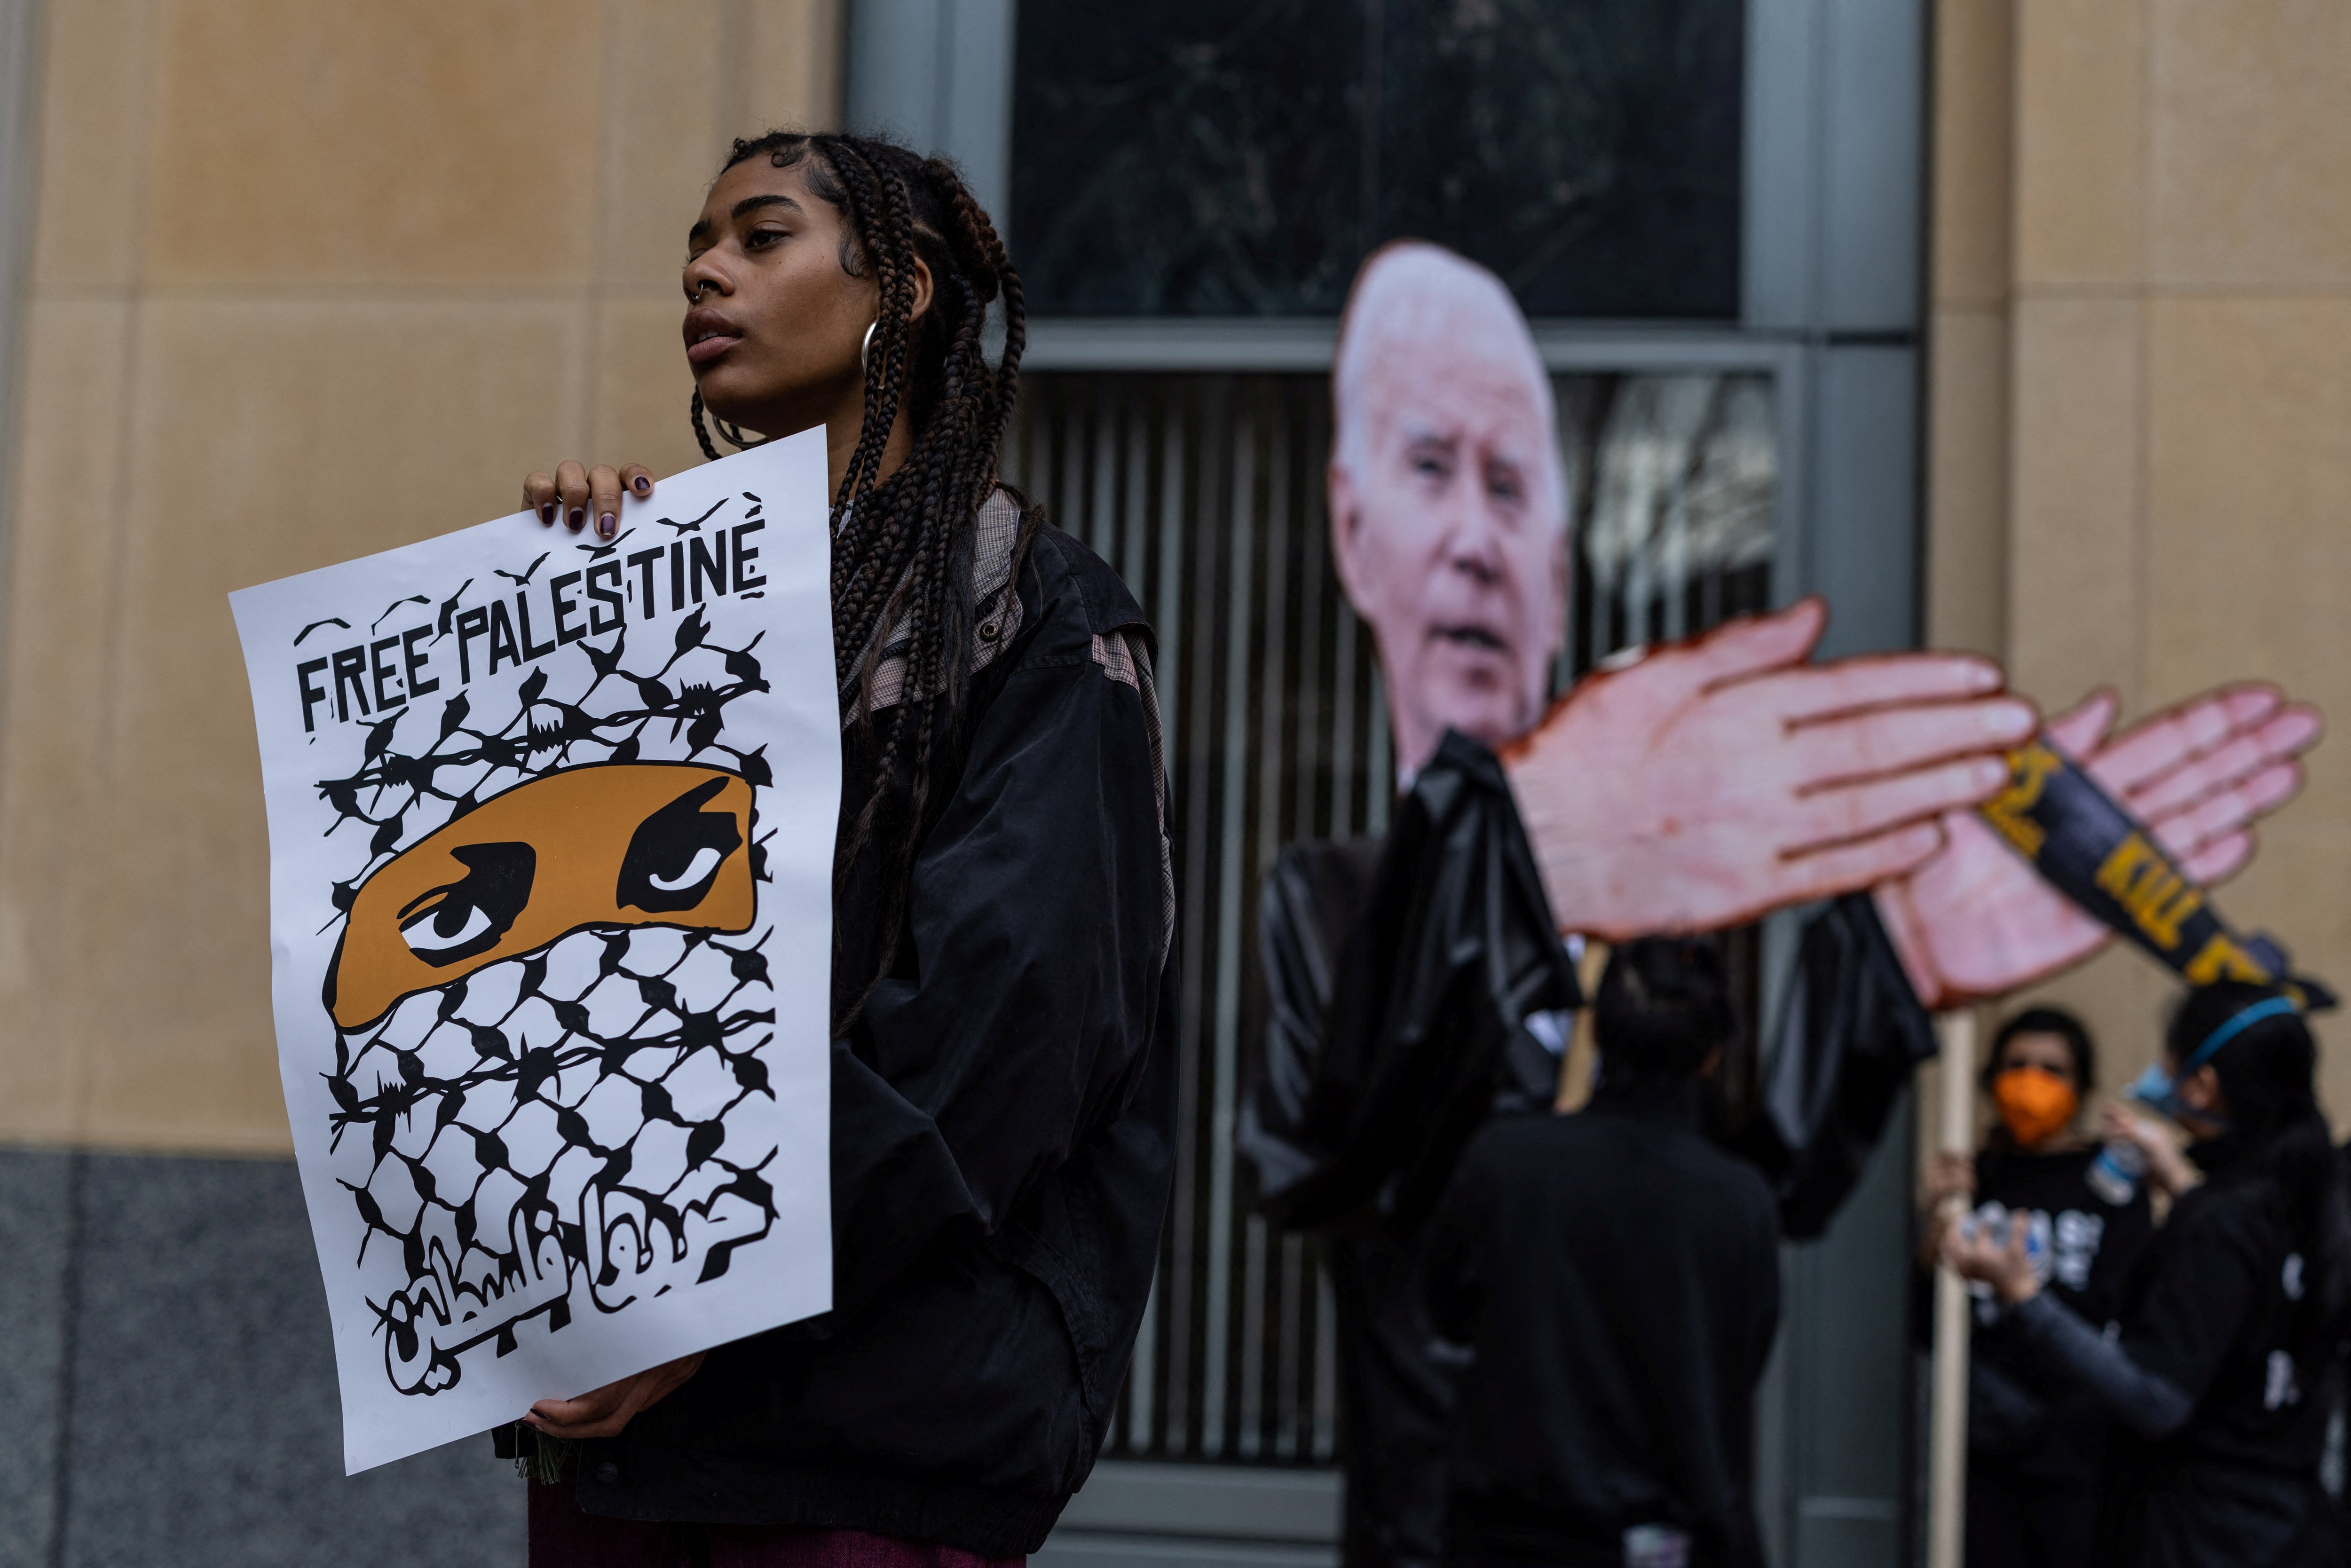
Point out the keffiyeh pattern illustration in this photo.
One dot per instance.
(559, 1065)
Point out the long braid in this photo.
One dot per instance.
(903, 546)
(701, 435)
(989, 252)
(887, 243)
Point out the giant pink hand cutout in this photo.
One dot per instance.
(1976, 920)
(1723, 778)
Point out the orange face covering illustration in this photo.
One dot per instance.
(2034, 1103)
(615, 845)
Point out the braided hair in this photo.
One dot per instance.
(901, 547)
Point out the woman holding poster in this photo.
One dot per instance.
(1003, 995)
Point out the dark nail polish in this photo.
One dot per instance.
(604, 525)
(579, 516)
(547, 513)
(643, 487)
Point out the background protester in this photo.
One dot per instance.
(1408, 978)
(2034, 1454)
(1003, 989)
(2230, 1323)
(1616, 1278)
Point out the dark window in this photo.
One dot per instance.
(1240, 157)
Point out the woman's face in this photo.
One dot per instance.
(2049, 1053)
(774, 323)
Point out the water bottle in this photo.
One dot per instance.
(2038, 1240)
(1657, 1546)
(2114, 1174)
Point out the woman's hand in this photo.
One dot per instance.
(1742, 777)
(603, 1413)
(575, 493)
(1950, 1189)
(1953, 1176)
(2167, 1170)
(1977, 1252)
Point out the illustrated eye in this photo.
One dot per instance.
(448, 927)
(705, 861)
(470, 915)
(677, 852)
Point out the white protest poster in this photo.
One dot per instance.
(551, 826)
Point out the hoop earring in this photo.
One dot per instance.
(865, 348)
(734, 435)
(732, 432)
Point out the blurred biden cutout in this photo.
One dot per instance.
(1702, 784)
(1449, 509)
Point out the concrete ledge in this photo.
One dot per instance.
(167, 1386)
(1103, 1549)
(1131, 1496)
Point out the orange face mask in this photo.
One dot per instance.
(2035, 1103)
(610, 844)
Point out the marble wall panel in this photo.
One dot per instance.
(396, 141)
(664, 131)
(783, 66)
(2248, 146)
(2079, 142)
(54, 671)
(93, 122)
(642, 386)
(270, 438)
(370, 264)
(2248, 552)
(2074, 545)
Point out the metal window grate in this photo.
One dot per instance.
(1205, 492)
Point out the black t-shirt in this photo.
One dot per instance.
(2090, 1243)
(1616, 1277)
(2086, 1247)
(2214, 1308)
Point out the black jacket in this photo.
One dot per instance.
(1616, 1277)
(1399, 1015)
(2218, 1388)
(1445, 977)
(1002, 1128)
(2216, 1309)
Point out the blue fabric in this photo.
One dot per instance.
(2268, 1008)
(2159, 1090)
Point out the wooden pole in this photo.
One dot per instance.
(1947, 1453)
(1575, 1064)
